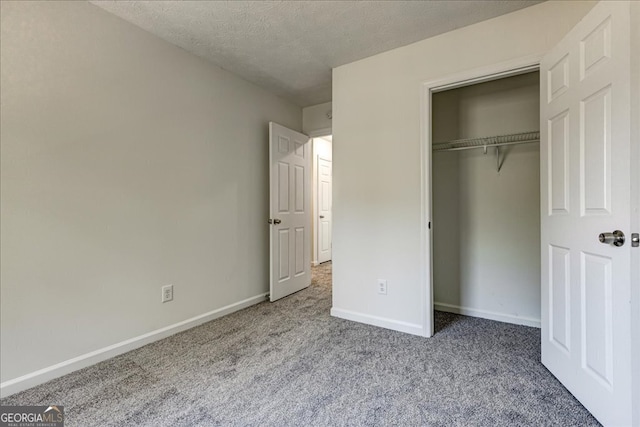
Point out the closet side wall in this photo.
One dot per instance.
(497, 237)
(445, 215)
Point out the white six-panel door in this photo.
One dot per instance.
(324, 209)
(585, 191)
(290, 220)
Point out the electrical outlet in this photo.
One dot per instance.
(382, 286)
(167, 293)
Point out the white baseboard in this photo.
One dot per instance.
(395, 325)
(491, 315)
(41, 376)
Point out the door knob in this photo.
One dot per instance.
(321, 216)
(276, 221)
(616, 238)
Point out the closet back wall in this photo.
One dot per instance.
(486, 247)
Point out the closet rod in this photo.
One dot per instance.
(490, 141)
(485, 145)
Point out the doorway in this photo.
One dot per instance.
(430, 89)
(300, 193)
(322, 188)
(486, 199)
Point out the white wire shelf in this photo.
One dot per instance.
(489, 141)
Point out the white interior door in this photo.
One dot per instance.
(290, 220)
(324, 209)
(585, 190)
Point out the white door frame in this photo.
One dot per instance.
(479, 75)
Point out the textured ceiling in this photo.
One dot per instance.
(290, 47)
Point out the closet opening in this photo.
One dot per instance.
(485, 199)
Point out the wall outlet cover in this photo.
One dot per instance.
(167, 293)
(382, 286)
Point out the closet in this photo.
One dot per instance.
(486, 199)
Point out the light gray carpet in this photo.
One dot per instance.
(290, 364)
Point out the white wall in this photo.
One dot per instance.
(486, 224)
(127, 164)
(315, 119)
(377, 157)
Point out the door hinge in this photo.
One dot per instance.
(635, 240)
